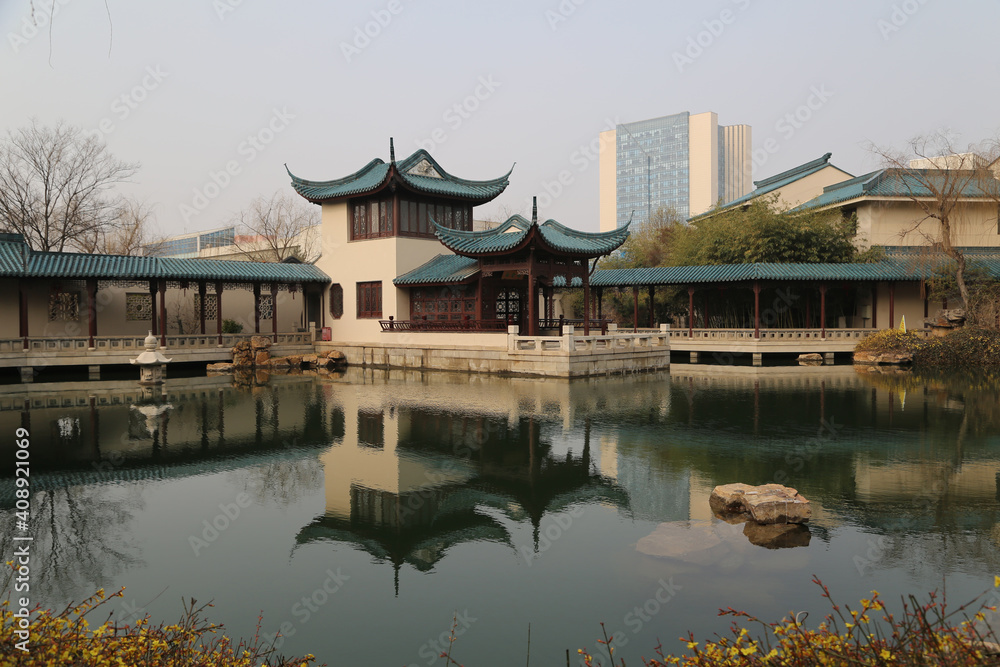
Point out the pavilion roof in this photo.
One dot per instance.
(17, 260)
(903, 184)
(518, 231)
(419, 172)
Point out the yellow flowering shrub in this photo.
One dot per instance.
(72, 637)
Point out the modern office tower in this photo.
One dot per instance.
(687, 161)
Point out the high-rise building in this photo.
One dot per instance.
(687, 161)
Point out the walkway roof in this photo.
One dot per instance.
(899, 264)
(19, 261)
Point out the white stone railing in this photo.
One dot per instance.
(571, 343)
(779, 334)
(80, 344)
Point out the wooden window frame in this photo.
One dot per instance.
(336, 301)
(369, 300)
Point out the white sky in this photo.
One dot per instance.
(560, 71)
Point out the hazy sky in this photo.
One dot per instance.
(193, 86)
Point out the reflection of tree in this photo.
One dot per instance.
(82, 538)
(281, 482)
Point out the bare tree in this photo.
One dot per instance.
(276, 228)
(55, 183)
(949, 187)
(128, 234)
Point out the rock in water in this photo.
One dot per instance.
(765, 504)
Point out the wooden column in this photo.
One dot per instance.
(218, 314)
(892, 305)
(256, 308)
(22, 302)
(635, 312)
(756, 309)
(600, 303)
(586, 300)
(92, 310)
(652, 318)
(201, 310)
(704, 318)
(153, 326)
(690, 312)
(479, 296)
(923, 293)
(163, 313)
(822, 310)
(808, 312)
(874, 305)
(533, 296)
(274, 311)
(322, 306)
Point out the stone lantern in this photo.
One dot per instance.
(150, 362)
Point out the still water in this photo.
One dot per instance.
(361, 513)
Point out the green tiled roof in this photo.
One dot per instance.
(898, 264)
(440, 269)
(376, 173)
(776, 182)
(893, 183)
(516, 229)
(72, 265)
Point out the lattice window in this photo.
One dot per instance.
(336, 301)
(266, 307)
(64, 307)
(138, 307)
(211, 306)
(370, 300)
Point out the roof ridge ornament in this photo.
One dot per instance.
(392, 152)
(534, 211)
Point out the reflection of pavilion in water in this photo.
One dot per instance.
(407, 482)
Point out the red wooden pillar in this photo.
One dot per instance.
(756, 309)
(586, 303)
(533, 296)
(705, 306)
(256, 308)
(635, 312)
(479, 297)
(600, 303)
(218, 314)
(923, 293)
(92, 310)
(201, 309)
(808, 312)
(652, 319)
(690, 312)
(274, 311)
(163, 313)
(153, 327)
(875, 306)
(22, 303)
(892, 304)
(822, 310)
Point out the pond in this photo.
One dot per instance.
(364, 513)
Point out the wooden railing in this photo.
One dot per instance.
(469, 325)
